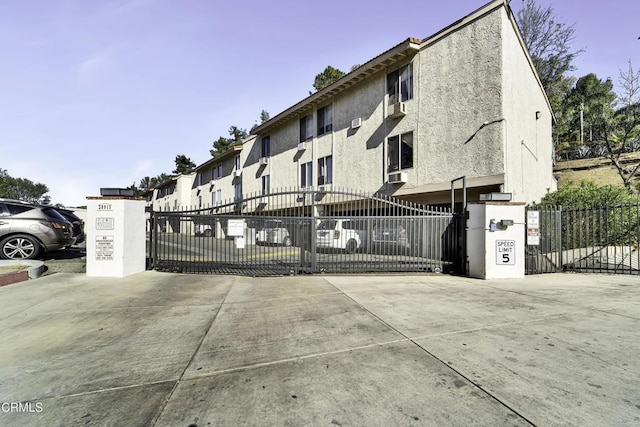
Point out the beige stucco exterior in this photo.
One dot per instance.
(478, 110)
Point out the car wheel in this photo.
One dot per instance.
(19, 246)
(208, 232)
(352, 246)
(286, 241)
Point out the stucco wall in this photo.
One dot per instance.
(529, 152)
(460, 89)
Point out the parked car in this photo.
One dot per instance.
(201, 229)
(400, 236)
(27, 230)
(345, 234)
(273, 232)
(77, 223)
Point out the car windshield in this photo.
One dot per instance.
(327, 225)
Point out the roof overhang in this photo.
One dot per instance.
(231, 152)
(406, 49)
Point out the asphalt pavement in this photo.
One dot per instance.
(198, 350)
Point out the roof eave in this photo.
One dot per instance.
(407, 48)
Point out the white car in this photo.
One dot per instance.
(340, 234)
(273, 232)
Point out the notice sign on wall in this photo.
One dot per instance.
(104, 248)
(104, 223)
(505, 252)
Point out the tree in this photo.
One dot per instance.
(22, 189)
(325, 78)
(222, 144)
(264, 116)
(584, 105)
(184, 165)
(622, 126)
(145, 184)
(548, 42)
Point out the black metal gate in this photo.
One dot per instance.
(306, 231)
(600, 239)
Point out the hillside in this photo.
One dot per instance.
(599, 170)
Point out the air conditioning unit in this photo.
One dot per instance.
(356, 123)
(263, 200)
(324, 188)
(237, 173)
(302, 146)
(264, 160)
(398, 178)
(397, 110)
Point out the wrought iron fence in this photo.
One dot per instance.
(305, 231)
(601, 239)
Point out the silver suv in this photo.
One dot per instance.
(27, 230)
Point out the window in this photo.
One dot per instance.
(238, 191)
(306, 175)
(306, 128)
(217, 197)
(325, 120)
(199, 201)
(266, 146)
(236, 163)
(216, 172)
(400, 84)
(325, 170)
(400, 152)
(266, 184)
(199, 179)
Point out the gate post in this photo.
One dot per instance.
(116, 236)
(496, 240)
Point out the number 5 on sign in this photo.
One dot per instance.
(505, 252)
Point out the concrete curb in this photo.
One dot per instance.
(35, 270)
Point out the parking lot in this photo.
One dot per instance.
(173, 349)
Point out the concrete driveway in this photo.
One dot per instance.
(186, 350)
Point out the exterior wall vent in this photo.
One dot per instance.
(264, 160)
(356, 123)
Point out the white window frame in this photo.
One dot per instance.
(408, 140)
(325, 119)
(306, 174)
(325, 170)
(265, 143)
(400, 84)
(266, 184)
(306, 128)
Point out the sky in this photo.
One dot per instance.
(103, 93)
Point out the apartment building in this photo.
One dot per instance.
(465, 101)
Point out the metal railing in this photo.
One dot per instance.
(602, 239)
(295, 231)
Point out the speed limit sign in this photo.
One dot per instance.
(505, 252)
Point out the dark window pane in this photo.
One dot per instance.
(393, 159)
(406, 151)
